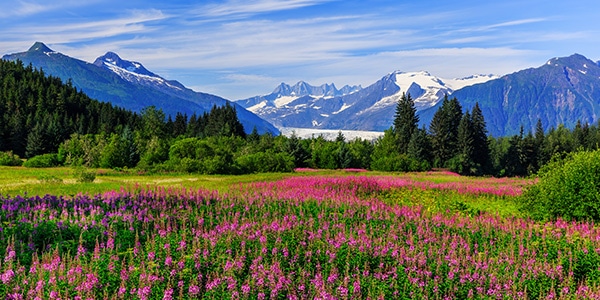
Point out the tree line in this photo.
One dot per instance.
(52, 123)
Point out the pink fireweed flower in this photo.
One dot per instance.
(168, 294)
(7, 276)
(194, 290)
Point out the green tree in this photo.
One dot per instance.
(444, 131)
(481, 146)
(463, 162)
(36, 141)
(419, 146)
(295, 148)
(405, 121)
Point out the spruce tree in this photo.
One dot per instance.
(444, 131)
(481, 147)
(464, 162)
(405, 121)
(419, 147)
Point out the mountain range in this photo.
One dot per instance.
(130, 85)
(562, 91)
(353, 107)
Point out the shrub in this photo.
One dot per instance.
(568, 188)
(42, 161)
(84, 175)
(49, 179)
(269, 161)
(399, 163)
(10, 159)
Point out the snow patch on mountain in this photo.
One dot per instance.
(134, 77)
(284, 100)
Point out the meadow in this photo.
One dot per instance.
(308, 235)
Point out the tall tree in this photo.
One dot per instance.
(464, 162)
(406, 121)
(444, 131)
(481, 146)
(419, 147)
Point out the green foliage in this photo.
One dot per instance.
(405, 121)
(444, 131)
(41, 111)
(46, 178)
(43, 161)
(568, 188)
(399, 163)
(83, 174)
(9, 159)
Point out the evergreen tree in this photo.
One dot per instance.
(540, 141)
(36, 141)
(405, 121)
(179, 125)
(253, 137)
(419, 147)
(444, 131)
(464, 162)
(481, 146)
(296, 150)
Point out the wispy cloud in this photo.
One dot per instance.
(240, 47)
(22, 8)
(250, 7)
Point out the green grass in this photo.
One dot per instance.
(20, 180)
(61, 181)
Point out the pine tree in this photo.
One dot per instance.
(463, 162)
(36, 141)
(481, 146)
(444, 131)
(179, 125)
(405, 121)
(419, 147)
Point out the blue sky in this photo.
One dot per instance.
(241, 48)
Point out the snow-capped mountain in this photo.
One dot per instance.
(563, 91)
(285, 94)
(135, 72)
(130, 85)
(353, 108)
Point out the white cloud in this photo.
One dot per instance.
(21, 8)
(249, 7)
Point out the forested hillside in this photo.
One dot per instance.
(38, 112)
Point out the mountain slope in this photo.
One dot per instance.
(129, 85)
(561, 91)
(353, 108)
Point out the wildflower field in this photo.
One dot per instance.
(345, 235)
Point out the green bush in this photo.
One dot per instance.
(568, 188)
(10, 159)
(45, 178)
(82, 174)
(269, 161)
(399, 163)
(43, 161)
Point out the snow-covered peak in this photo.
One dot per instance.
(113, 59)
(135, 72)
(459, 83)
(404, 80)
